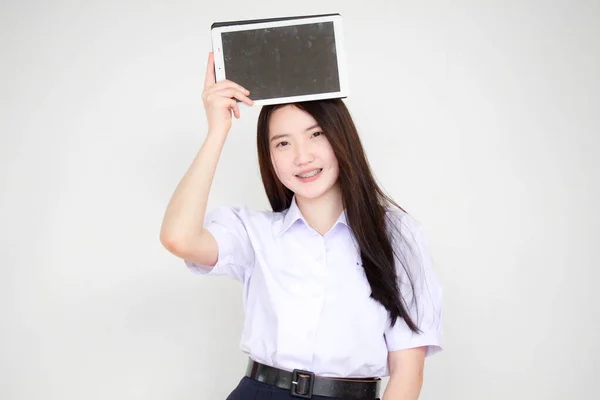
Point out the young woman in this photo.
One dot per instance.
(338, 285)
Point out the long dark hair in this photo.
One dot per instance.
(364, 201)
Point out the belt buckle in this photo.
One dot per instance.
(295, 379)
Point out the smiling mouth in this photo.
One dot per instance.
(310, 174)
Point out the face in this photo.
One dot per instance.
(301, 154)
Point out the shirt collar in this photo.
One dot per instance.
(293, 214)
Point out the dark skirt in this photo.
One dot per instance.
(250, 389)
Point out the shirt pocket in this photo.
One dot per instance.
(354, 298)
(349, 277)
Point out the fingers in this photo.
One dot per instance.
(227, 84)
(229, 93)
(222, 96)
(235, 108)
(209, 80)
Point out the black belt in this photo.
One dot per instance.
(305, 384)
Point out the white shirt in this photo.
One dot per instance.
(306, 296)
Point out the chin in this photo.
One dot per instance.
(310, 193)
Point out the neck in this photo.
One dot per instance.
(322, 212)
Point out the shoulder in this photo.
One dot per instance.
(407, 234)
(403, 223)
(410, 243)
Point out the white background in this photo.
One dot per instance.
(481, 118)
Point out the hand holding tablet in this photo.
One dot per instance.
(219, 99)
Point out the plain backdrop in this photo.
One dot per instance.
(481, 118)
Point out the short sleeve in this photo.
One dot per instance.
(425, 308)
(228, 225)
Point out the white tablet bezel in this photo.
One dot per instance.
(340, 52)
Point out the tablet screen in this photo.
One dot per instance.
(283, 61)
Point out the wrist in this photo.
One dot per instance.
(216, 136)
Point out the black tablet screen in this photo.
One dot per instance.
(283, 61)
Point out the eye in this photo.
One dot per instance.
(318, 133)
(282, 144)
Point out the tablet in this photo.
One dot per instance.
(283, 60)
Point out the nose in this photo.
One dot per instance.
(304, 154)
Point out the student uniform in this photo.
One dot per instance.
(307, 299)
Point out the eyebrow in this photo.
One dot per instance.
(282, 135)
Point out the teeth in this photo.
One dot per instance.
(313, 173)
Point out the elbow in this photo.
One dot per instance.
(173, 243)
(187, 247)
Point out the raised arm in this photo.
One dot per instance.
(182, 231)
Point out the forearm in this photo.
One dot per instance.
(404, 386)
(185, 213)
(406, 374)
